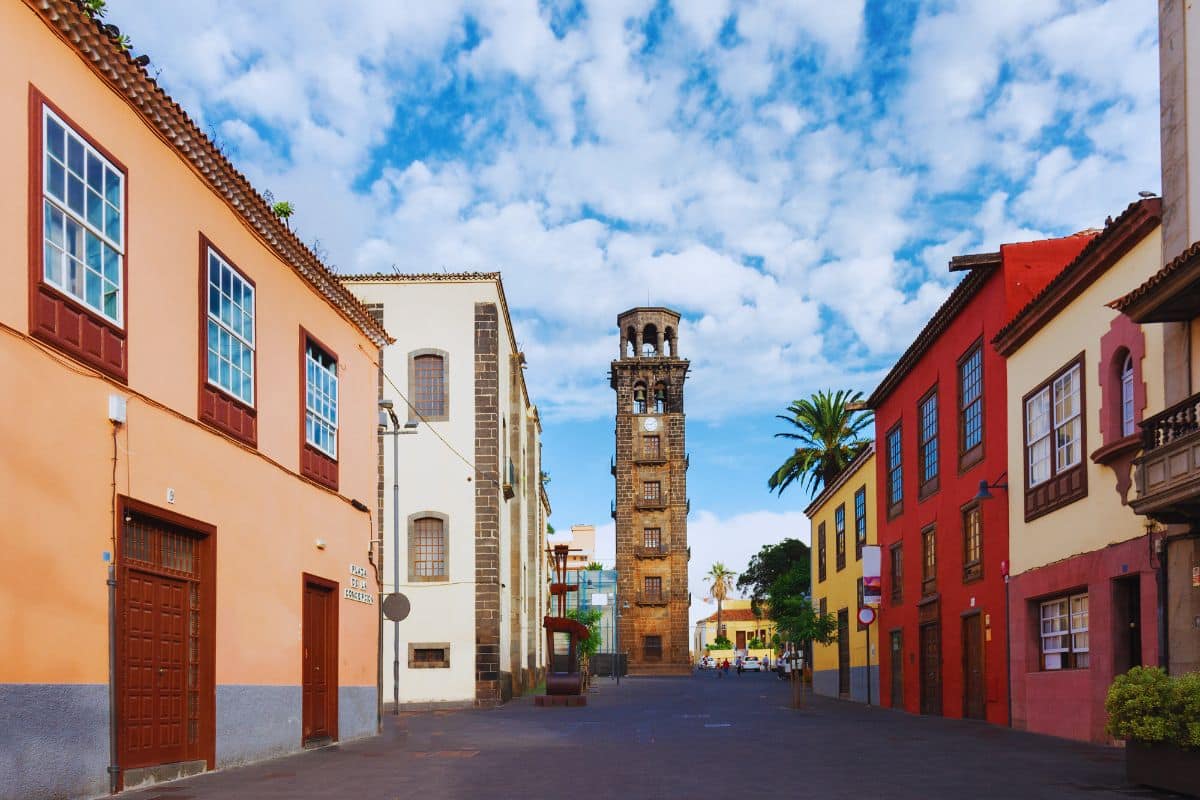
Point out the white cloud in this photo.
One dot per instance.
(801, 223)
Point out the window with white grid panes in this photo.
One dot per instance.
(427, 550)
(927, 413)
(970, 402)
(1128, 424)
(230, 330)
(1053, 428)
(320, 400)
(1064, 632)
(83, 197)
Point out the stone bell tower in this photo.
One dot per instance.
(651, 505)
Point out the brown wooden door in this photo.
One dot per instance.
(974, 693)
(897, 651)
(931, 669)
(319, 682)
(741, 640)
(153, 714)
(843, 643)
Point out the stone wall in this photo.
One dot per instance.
(487, 506)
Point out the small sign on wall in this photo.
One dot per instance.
(1196, 577)
(356, 591)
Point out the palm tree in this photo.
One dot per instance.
(720, 581)
(830, 426)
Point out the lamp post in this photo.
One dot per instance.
(984, 495)
(388, 413)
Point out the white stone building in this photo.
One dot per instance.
(472, 508)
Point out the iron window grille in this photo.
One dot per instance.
(429, 385)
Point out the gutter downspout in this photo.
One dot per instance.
(114, 769)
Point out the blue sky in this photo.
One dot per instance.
(791, 175)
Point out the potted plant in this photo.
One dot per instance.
(1158, 716)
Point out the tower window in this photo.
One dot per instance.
(652, 648)
(651, 447)
(639, 399)
(653, 587)
(660, 399)
(652, 538)
(651, 490)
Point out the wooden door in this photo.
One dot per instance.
(153, 719)
(931, 669)
(843, 644)
(974, 693)
(1127, 617)
(897, 655)
(741, 640)
(319, 677)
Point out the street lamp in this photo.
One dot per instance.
(387, 413)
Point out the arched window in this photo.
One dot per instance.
(660, 399)
(1127, 423)
(650, 341)
(630, 342)
(427, 547)
(669, 342)
(428, 385)
(639, 399)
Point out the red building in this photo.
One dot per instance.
(941, 430)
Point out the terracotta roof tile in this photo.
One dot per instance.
(92, 40)
(1186, 257)
(737, 615)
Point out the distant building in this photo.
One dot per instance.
(597, 590)
(843, 522)
(472, 506)
(583, 547)
(740, 626)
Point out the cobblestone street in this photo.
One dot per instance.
(699, 737)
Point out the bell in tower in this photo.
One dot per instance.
(651, 505)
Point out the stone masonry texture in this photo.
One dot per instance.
(487, 506)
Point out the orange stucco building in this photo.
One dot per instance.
(189, 441)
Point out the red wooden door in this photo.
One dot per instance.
(319, 684)
(154, 714)
(974, 697)
(931, 669)
(741, 640)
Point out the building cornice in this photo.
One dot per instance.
(1144, 304)
(1097, 257)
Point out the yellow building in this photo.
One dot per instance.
(741, 626)
(843, 522)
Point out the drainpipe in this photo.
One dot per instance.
(114, 770)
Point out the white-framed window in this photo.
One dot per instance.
(83, 198)
(1064, 632)
(230, 330)
(1053, 428)
(1127, 423)
(320, 400)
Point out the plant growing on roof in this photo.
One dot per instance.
(284, 210)
(829, 427)
(95, 8)
(594, 566)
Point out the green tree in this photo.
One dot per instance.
(594, 566)
(720, 581)
(829, 427)
(771, 563)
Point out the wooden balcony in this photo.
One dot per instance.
(651, 503)
(1168, 470)
(654, 598)
(660, 551)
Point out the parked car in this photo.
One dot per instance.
(751, 664)
(708, 662)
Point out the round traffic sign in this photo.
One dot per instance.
(396, 606)
(866, 615)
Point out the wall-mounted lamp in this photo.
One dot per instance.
(985, 487)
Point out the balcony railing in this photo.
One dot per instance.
(651, 503)
(653, 551)
(1168, 471)
(653, 598)
(650, 458)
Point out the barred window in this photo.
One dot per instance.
(320, 400)
(972, 543)
(839, 535)
(427, 549)
(652, 648)
(429, 385)
(653, 587)
(83, 196)
(652, 538)
(651, 447)
(230, 329)
(1064, 633)
(651, 490)
(895, 466)
(929, 441)
(860, 521)
(970, 401)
